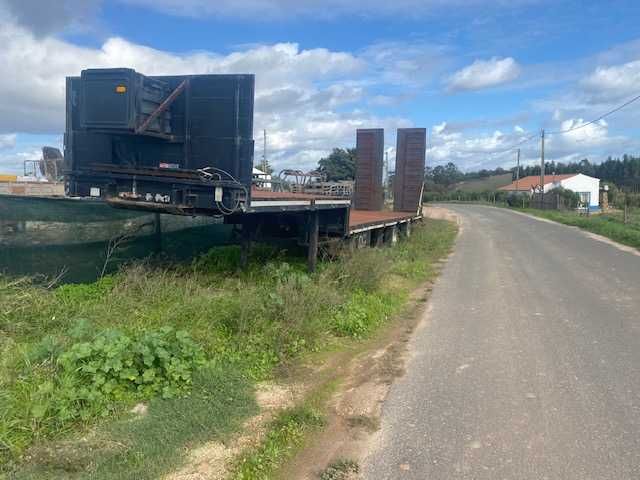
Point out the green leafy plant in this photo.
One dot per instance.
(361, 315)
(92, 378)
(115, 366)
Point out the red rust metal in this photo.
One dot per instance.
(409, 176)
(163, 106)
(368, 193)
(364, 218)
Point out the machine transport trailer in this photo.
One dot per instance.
(184, 145)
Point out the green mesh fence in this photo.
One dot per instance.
(81, 238)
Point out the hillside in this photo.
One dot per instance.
(484, 184)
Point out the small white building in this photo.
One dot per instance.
(587, 187)
(262, 179)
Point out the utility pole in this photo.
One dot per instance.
(265, 165)
(518, 170)
(542, 169)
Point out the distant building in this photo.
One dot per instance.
(261, 179)
(587, 187)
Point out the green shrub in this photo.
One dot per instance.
(91, 379)
(84, 292)
(361, 314)
(115, 366)
(362, 270)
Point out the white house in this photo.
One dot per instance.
(262, 179)
(587, 187)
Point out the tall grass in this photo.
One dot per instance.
(246, 322)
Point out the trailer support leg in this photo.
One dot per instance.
(313, 230)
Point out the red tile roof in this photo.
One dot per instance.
(527, 183)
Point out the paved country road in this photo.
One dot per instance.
(527, 365)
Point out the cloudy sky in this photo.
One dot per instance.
(481, 75)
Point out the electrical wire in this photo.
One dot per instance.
(213, 174)
(620, 107)
(556, 132)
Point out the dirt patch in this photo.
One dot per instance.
(213, 460)
(355, 409)
(440, 213)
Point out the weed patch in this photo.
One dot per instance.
(147, 446)
(340, 470)
(101, 347)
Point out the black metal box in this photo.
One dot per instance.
(183, 140)
(122, 99)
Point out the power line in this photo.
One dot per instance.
(596, 119)
(503, 150)
(535, 135)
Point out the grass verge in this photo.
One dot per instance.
(284, 436)
(233, 330)
(610, 224)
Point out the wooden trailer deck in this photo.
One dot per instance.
(359, 220)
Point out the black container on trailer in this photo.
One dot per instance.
(122, 99)
(113, 150)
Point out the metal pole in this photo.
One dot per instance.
(542, 169)
(626, 210)
(264, 151)
(518, 171)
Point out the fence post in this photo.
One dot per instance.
(626, 210)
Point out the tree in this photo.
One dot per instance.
(339, 165)
(445, 175)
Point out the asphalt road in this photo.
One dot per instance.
(527, 365)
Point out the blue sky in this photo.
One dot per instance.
(480, 75)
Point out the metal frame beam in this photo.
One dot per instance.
(163, 106)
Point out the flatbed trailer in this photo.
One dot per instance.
(311, 221)
(183, 145)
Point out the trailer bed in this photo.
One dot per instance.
(361, 220)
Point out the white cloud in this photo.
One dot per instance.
(302, 96)
(474, 150)
(484, 74)
(583, 134)
(439, 128)
(406, 64)
(7, 141)
(13, 162)
(613, 82)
